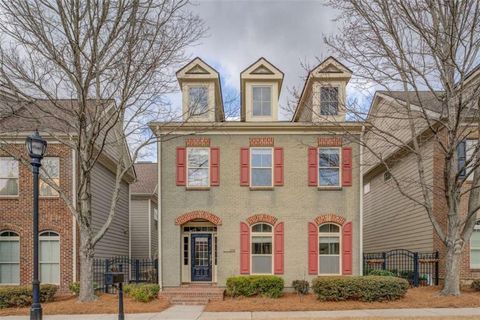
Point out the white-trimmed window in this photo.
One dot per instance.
(198, 167)
(329, 167)
(470, 145)
(51, 165)
(8, 176)
(49, 257)
(328, 101)
(475, 247)
(9, 258)
(198, 100)
(329, 261)
(262, 100)
(261, 168)
(262, 249)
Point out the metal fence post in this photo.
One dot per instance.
(107, 267)
(415, 269)
(384, 263)
(137, 270)
(437, 257)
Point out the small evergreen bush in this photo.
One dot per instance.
(366, 288)
(475, 285)
(381, 273)
(301, 286)
(21, 296)
(142, 292)
(247, 286)
(74, 288)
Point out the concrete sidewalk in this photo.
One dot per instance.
(196, 313)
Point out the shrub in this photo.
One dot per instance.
(21, 296)
(475, 285)
(247, 286)
(301, 286)
(367, 288)
(74, 288)
(381, 273)
(142, 292)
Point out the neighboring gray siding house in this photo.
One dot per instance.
(144, 212)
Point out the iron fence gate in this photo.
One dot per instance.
(419, 268)
(134, 271)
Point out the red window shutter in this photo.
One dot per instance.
(181, 166)
(278, 166)
(312, 167)
(244, 248)
(279, 248)
(215, 166)
(312, 248)
(244, 166)
(347, 248)
(346, 166)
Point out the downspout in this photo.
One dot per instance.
(361, 200)
(159, 209)
(74, 221)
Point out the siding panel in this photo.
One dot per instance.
(139, 229)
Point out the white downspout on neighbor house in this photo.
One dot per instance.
(159, 209)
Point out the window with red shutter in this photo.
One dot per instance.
(312, 248)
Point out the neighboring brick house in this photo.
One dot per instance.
(391, 220)
(59, 260)
(259, 195)
(144, 212)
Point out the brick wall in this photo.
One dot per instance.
(16, 215)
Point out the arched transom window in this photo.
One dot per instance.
(262, 249)
(9, 257)
(49, 257)
(329, 244)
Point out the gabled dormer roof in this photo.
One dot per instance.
(328, 69)
(260, 70)
(199, 70)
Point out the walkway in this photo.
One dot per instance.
(196, 313)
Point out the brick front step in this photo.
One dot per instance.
(195, 294)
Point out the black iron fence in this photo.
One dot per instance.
(419, 268)
(134, 271)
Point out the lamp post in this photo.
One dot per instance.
(36, 148)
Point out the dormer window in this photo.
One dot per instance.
(328, 101)
(198, 100)
(262, 100)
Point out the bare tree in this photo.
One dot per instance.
(427, 51)
(96, 73)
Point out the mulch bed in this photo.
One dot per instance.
(423, 297)
(106, 303)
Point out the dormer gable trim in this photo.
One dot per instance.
(262, 67)
(329, 68)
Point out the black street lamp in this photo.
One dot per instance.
(36, 148)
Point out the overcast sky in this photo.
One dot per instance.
(284, 32)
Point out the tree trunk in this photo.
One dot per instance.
(451, 286)
(87, 292)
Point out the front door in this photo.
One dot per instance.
(201, 257)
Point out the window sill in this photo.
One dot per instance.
(197, 188)
(474, 269)
(10, 197)
(329, 188)
(262, 188)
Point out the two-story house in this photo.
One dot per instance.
(259, 195)
(392, 220)
(59, 235)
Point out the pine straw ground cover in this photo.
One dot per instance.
(106, 303)
(423, 297)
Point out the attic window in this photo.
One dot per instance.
(198, 100)
(262, 100)
(328, 101)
